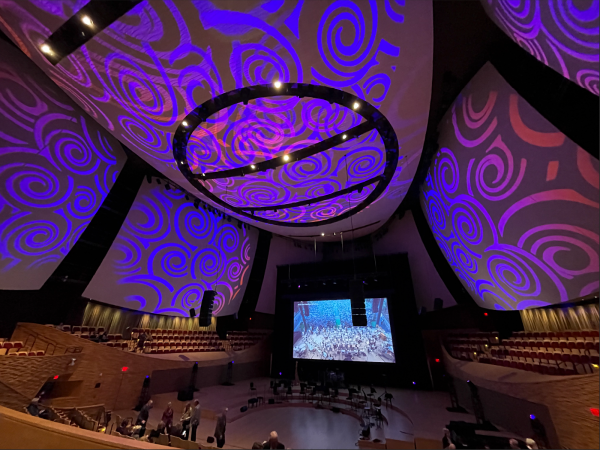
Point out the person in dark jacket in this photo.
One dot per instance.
(142, 417)
(220, 428)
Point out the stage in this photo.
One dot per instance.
(302, 424)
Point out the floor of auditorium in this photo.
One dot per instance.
(300, 424)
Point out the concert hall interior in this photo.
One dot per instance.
(299, 224)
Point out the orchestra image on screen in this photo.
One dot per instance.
(323, 330)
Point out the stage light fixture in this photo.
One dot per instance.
(531, 416)
(184, 123)
(149, 178)
(286, 157)
(168, 187)
(355, 105)
(252, 166)
(87, 21)
(187, 197)
(158, 181)
(196, 203)
(344, 137)
(46, 49)
(322, 234)
(277, 84)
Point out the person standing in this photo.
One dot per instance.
(167, 417)
(220, 428)
(185, 421)
(195, 420)
(142, 417)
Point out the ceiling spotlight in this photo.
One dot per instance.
(277, 84)
(356, 105)
(286, 157)
(344, 136)
(184, 123)
(253, 166)
(46, 49)
(322, 234)
(87, 21)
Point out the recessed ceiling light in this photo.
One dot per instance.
(277, 84)
(87, 21)
(356, 105)
(253, 166)
(344, 136)
(46, 49)
(286, 157)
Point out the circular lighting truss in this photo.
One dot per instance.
(374, 120)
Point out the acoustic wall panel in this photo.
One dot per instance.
(563, 34)
(168, 253)
(512, 202)
(56, 167)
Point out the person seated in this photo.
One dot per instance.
(160, 429)
(124, 429)
(273, 441)
(177, 430)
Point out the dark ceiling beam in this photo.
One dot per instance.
(298, 155)
(83, 26)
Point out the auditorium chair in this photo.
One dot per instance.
(66, 328)
(76, 330)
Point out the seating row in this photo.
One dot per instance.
(567, 365)
(15, 348)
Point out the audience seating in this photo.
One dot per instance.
(551, 353)
(13, 348)
(172, 341)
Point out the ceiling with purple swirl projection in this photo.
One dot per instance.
(56, 167)
(563, 34)
(168, 253)
(144, 73)
(512, 202)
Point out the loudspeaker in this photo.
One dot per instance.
(271, 401)
(335, 409)
(206, 308)
(357, 303)
(192, 313)
(243, 409)
(438, 304)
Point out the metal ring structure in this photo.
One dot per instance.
(373, 120)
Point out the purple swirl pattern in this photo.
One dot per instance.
(140, 77)
(512, 202)
(563, 34)
(168, 253)
(56, 168)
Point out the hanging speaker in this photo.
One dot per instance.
(192, 313)
(357, 303)
(206, 308)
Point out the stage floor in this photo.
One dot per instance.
(301, 425)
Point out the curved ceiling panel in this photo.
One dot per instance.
(561, 34)
(512, 202)
(143, 74)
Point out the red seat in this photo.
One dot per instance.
(40, 353)
(85, 329)
(22, 354)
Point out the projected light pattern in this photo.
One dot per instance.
(56, 168)
(563, 34)
(324, 330)
(145, 72)
(168, 253)
(512, 202)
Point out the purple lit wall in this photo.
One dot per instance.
(56, 167)
(512, 202)
(563, 34)
(143, 74)
(168, 253)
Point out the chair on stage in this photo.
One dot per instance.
(252, 388)
(326, 394)
(303, 392)
(351, 392)
(289, 393)
(371, 394)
